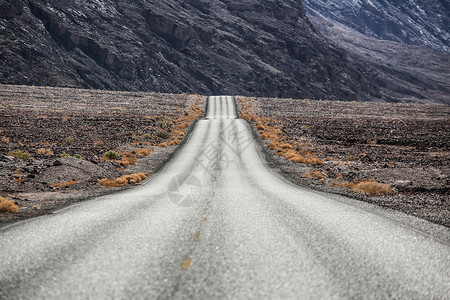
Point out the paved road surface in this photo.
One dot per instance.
(216, 222)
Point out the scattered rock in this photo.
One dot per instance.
(57, 163)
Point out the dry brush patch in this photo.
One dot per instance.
(123, 158)
(279, 143)
(123, 180)
(85, 126)
(7, 205)
(364, 186)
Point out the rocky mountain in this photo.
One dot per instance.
(249, 47)
(415, 22)
(405, 42)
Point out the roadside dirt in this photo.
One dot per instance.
(405, 146)
(67, 131)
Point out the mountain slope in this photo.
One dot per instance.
(404, 72)
(416, 22)
(213, 47)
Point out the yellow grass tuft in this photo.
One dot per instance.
(173, 143)
(367, 186)
(43, 151)
(142, 152)
(126, 158)
(7, 205)
(279, 144)
(372, 188)
(315, 174)
(123, 180)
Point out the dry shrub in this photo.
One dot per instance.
(7, 205)
(18, 154)
(193, 113)
(315, 174)
(274, 134)
(126, 158)
(66, 183)
(19, 179)
(123, 180)
(372, 188)
(142, 152)
(367, 186)
(43, 151)
(173, 143)
(5, 139)
(286, 150)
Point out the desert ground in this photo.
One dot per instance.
(53, 143)
(403, 146)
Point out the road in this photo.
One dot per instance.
(217, 223)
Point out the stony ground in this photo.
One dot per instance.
(406, 146)
(66, 133)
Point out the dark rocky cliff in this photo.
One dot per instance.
(250, 47)
(406, 43)
(419, 22)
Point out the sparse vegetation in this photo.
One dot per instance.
(315, 174)
(142, 136)
(44, 151)
(123, 180)
(7, 205)
(367, 186)
(112, 155)
(372, 188)
(142, 152)
(19, 154)
(93, 128)
(288, 149)
(162, 134)
(124, 158)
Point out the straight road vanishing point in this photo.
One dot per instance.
(218, 223)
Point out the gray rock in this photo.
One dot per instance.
(401, 184)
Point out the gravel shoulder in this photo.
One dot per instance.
(67, 132)
(405, 146)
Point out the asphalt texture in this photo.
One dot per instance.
(217, 223)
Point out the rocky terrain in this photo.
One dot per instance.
(265, 48)
(405, 42)
(405, 146)
(420, 22)
(62, 135)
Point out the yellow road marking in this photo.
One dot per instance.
(186, 264)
